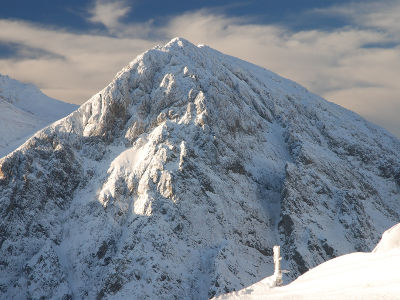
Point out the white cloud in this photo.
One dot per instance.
(334, 64)
(383, 15)
(85, 63)
(109, 13)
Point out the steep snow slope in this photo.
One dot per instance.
(24, 109)
(176, 180)
(366, 276)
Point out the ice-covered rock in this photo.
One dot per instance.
(176, 180)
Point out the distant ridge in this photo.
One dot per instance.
(24, 109)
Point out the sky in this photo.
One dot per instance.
(346, 51)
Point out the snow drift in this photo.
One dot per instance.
(368, 276)
(176, 180)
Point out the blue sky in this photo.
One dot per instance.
(72, 14)
(346, 51)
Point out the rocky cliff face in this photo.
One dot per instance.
(177, 179)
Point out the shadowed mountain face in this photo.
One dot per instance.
(176, 180)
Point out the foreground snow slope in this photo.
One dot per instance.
(176, 180)
(364, 276)
(24, 109)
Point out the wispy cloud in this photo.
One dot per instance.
(382, 15)
(81, 65)
(336, 63)
(18, 51)
(109, 13)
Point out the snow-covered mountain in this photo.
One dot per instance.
(176, 180)
(24, 109)
(365, 276)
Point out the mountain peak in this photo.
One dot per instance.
(180, 42)
(30, 99)
(10, 89)
(182, 174)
